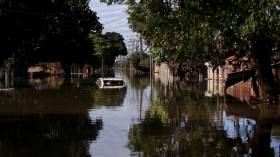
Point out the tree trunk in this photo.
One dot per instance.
(261, 140)
(261, 60)
(67, 74)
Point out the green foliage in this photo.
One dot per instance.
(108, 97)
(193, 32)
(135, 59)
(47, 30)
(189, 29)
(117, 44)
(101, 45)
(112, 1)
(140, 61)
(108, 46)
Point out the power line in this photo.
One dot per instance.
(113, 20)
(43, 14)
(110, 10)
(116, 27)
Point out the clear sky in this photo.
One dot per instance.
(113, 18)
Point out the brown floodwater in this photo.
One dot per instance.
(151, 116)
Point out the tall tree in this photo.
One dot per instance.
(101, 46)
(117, 46)
(197, 31)
(108, 46)
(47, 30)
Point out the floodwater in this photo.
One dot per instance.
(151, 116)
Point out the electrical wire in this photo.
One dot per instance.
(105, 11)
(108, 22)
(42, 14)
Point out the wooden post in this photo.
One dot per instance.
(7, 77)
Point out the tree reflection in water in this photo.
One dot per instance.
(181, 121)
(44, 136)
(266, 117)
(47, 122)
(108, 97)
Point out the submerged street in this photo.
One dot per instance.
(130, 78)
(151, 116)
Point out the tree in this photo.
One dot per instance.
(66, 38)
(47, 30)
(108, 46)
(140, 61)
(117, 46)
(18, 28)
(100, 45)
(198, 31)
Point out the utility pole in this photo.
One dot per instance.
(129, 52)
(102, 67)
(137, 45)
(133, 45)
(141, 43)
(141, 48)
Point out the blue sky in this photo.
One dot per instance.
(113, 18)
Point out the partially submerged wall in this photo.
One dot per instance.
(164, 72)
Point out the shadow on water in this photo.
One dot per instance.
(176, 118)
(267, 119)
(48, 135)
(48, 120)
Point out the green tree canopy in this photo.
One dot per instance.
(108, 46)
(117, 43)
(101, 45)
(47, 30)
(196, 31)
(140, 61)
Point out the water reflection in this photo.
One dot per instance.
(108, 97)
(182, 120)
(48, 135)
(150, 117)
(46, 82)
(53, 121)
(179, 122)
(265, 116)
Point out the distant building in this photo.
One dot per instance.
(45, 69)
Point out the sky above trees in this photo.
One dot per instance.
(114, 19)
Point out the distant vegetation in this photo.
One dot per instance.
(107, 47)
(137, 60)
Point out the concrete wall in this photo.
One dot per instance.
(219, 73)
(164, 73)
